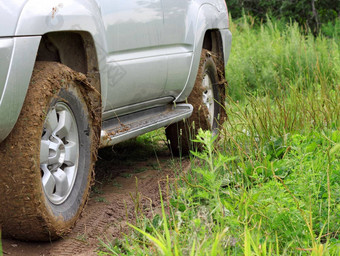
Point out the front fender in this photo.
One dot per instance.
(17, 81)
(42, 17)
(9, 15)
(209, 17)
(36, 19)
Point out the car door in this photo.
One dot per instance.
(137, 70)
(179, 36)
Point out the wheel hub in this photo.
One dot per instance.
(208, 97)
(56, 153)
(59, 153)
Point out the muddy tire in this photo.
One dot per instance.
(207, 98)
(47, 161)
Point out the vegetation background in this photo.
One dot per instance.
(312, 13)
(270, 186)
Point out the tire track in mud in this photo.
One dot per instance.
(112, 202)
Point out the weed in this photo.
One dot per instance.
(162, 242)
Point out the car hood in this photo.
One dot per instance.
(9, 15)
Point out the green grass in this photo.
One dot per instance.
(275, 57)
(271, 184)
(332, 29)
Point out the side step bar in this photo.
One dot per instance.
(122, 128)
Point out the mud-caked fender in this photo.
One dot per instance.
(42, 17)
(36, 19)
(211, 15)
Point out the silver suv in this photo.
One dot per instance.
(77, 75)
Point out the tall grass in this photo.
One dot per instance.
(332, 29)
(276, 57)
(271, 185)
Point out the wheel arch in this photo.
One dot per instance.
(77, 51)
(73, 49)
(68, 24)
(209, 26)
(60, 22)
(213, 42)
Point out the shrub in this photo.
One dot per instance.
(312, 13)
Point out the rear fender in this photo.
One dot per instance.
(210, 17)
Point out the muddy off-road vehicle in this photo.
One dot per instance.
(78, 75)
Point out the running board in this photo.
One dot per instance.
(122, 128)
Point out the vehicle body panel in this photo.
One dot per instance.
(9, 15)
(133, 32)
(17, 81)
(34, 19)
(156, 58)
(6, 49)
(179, 33)
(209, 17)
(142, 79)
(132, 25)
(41, 17)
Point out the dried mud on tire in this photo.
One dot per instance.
(24, 212)
(110, 208)
(180, 134)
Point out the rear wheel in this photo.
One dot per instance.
(207, 98)
(47, 163)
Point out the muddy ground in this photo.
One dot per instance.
(112, 202)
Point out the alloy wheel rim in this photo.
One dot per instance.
(208, 98)
(59, 153)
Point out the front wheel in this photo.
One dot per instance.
(207, 98)
(47, 163)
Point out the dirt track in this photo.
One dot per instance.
(111, 204)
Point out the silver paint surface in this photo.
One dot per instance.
(146, 49)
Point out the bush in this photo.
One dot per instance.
(312, 13)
